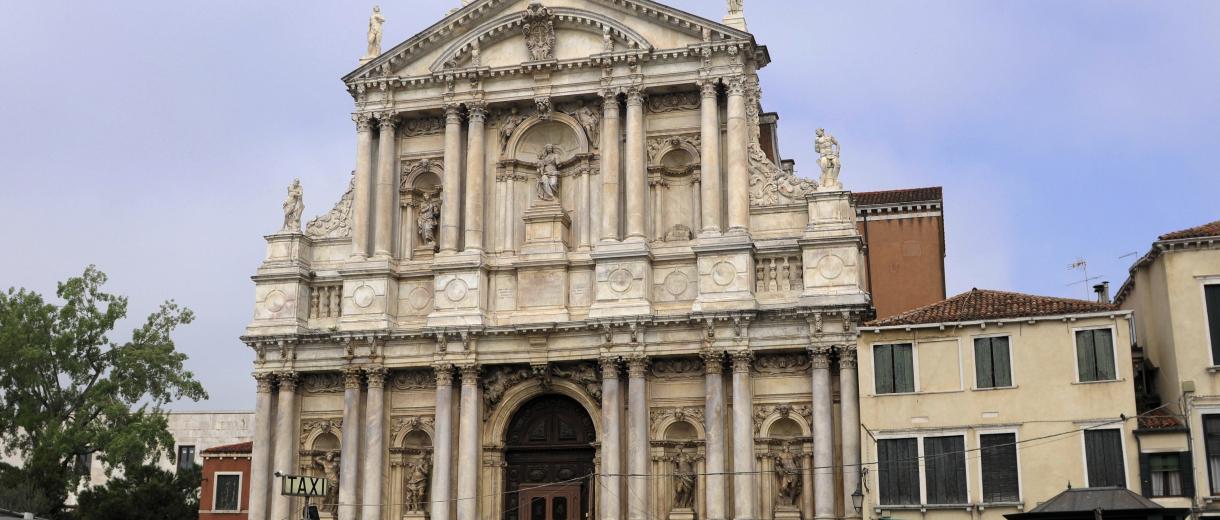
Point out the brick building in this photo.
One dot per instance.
(225, 493)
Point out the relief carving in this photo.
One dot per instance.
(322, 383)
(764, 411)
(584, 374)
(421, 126)
(784, 363)
(413, 380)
(692, 414)
(674, 102)
(336, 223)
(498, 381)
(671, 368)
(310, 427)
(656, 144)
(539, 30)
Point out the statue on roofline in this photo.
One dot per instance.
(375, 23)
(293, 207)
(828, 148)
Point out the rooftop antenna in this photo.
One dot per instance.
(1083, 265)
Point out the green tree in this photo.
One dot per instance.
(67, 390)
(143, 493)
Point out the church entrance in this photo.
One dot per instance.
(548, 454)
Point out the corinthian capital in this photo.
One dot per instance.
(287, 380)
(713, 361)
(364, 121)
(708, 88)
(264, 381)
(847, 356)
(635, 95)
(444, 374)
(736, 85)
(819, 356)
(376, 376)
(453, 113)
(351, 377)
(470, 374)
(387, 121)
(476, 111)
(637, 365)
(610, 367)
(741, 360)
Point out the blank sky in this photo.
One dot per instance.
(156, 139)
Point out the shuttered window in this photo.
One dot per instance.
(992, 363)
(1211, 445)
(898, 471)
(1104, 455)
(1212, 293)
(1095, 355)
(894, 368)
(998, 453)
(945, 469)
(228, 493)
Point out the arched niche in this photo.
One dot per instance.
(419, 183)
(674, 171)
(681, 431)
(785, 425)
(536, 131)
(325, 442)
(496, 426)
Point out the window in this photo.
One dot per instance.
(894, 367)
(898, 471)
(1212, 294)
(1104, 458)
(998, 455)
(945, 469)
(186, 458)
(228, 492)
(1211, 445)
(1095, 355)
(1164, 474)
(83, 464)
(992, 363)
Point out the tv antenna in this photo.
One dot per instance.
(1083, 266)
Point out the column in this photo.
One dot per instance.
(738, 157)
(451, 185)
(586, 217)
(383, 211)
(364, 186)
(442, 445)
(260, 459)
(710, 158)
(823, 435)
(744, 490)
(610, 492)
(637, 439)
(807, 486)
(849, 419)
(636, 169)
(469, 456)
(476, 173)
(374, 442)
(713, 410)
(349, 506)
(610, 165)
(285, 440)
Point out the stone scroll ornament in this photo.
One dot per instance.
(336, 223)
(293, 207)
(539, 30)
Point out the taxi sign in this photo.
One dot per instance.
(303, 486)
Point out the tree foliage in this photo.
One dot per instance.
(143, 493)
(67, 389)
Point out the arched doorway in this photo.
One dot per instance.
(548, 454)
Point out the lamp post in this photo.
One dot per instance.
(857, 496)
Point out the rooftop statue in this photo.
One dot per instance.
(293, 207)
(737, 6)
(375, 23)
(828, 148)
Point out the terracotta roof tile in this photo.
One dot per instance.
(241, 447)
(1206, 230)
(881, 198)
(1159, 421)
(980, 304)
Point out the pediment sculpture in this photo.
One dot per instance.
(771, 185)
(539, 30)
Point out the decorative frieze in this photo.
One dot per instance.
(321, 382)
(421, 126)
(677, 367)
(674, 102)
(782, 363)
(412, 380)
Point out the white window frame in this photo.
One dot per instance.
(1198, 459)
(914, 365)
(1205, 281)
(923, 474)
(1016, 436)
(216, 487)
(1012, 365)
(1122, 442)
(1118, 374)
(178, 455)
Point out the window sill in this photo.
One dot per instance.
(991, 388)
(923, 507)
(1214, 369)
(1106, 381)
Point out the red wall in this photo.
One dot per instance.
(227, 464)
(906, 262)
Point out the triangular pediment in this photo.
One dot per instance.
(491, 34)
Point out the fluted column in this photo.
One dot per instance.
(469, 455)
(349, 505)
(744, 490)
(610, 165)
(737, 153)
(636, 169)
(476, 168)
(637, 439)
(709, 157)
(610, 492)
(260, 459)
(451, 185)
(849, 418)
(823, 435)
(387, 191)
(442, 454)
(374, 442)
(713, 405)
(362, 199)
(285, 439)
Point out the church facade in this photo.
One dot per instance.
(571, 278)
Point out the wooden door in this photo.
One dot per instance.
(550, 503)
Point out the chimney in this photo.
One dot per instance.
(1103, 292)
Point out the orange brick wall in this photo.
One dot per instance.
(906, 261)
(226, 464)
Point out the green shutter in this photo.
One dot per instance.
(984, 375)
(1212, 295)
(1103, 348)
(999, 464)
(1086, 360)
(904, 369)
(945, 469)
(1001, 362)
(883, 368)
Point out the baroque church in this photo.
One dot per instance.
(571, 279)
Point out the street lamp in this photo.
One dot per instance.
(857, 496)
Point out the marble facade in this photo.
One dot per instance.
(698, 301)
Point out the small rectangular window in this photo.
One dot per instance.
(894, 368)
(228, 491)
(898, 471)
(1212, 294)
(999, 459)
(945, 469)
(1095, 355)
(1104, 457)
(1211, 445)
(992, 363)
(1165, 473)
(186, 457)
(83, 464)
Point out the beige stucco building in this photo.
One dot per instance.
(990, 403)
(572, 278)
(1174, 291)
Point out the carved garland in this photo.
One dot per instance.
(674, 102)
(673, 368)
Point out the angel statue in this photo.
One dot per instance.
(828, 148)
(548, 173)
(415, 491)
(375, 23)
(511, 122)
(293, 207)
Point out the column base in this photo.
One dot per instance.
(787, 513)
(414, 515)
(682, 514)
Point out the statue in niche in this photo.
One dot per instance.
(293, 207)
(591, 121)
(329, 463)
(548, 173)
(511, 123)
(828, 148)
(429, 217)
(375, 23)
(684, 480)
(787, 475)
(416, 486)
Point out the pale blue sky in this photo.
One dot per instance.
(155, 139)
